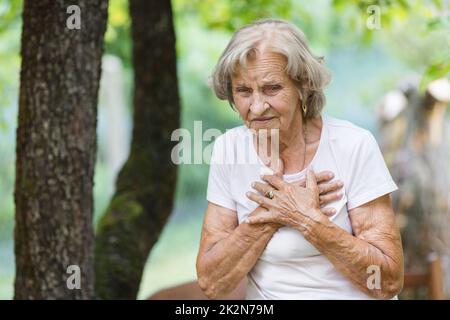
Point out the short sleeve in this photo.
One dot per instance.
(368, 177)
(219, 184)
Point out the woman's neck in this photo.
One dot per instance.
(296, 150)
(291, 147)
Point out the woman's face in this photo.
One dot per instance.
(264, 95)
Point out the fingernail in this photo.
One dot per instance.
(247, 194)
(340, 184)
(330, 175)
(253, 184)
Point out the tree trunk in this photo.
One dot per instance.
(146, 184)
(56, 146)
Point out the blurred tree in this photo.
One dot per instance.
(416, 147)
(56, 147)
(146, 183)
(415, 144)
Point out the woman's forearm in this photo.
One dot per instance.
(358, 259)
(225, 264)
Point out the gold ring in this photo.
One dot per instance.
(269, 194)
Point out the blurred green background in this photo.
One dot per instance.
(413, 40)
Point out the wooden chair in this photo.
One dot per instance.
(433, 279)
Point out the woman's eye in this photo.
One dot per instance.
(245, 90)
(273, 88)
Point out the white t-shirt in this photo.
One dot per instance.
(290, 267)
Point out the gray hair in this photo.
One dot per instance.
(306, 70)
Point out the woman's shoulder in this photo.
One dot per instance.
(232, 142)
(349, 137)
(345, 130)
(344, 127)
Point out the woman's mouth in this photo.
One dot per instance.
(263, 119)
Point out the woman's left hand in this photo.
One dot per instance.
(291, 205)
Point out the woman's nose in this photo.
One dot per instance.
(258, 106)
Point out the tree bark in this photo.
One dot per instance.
(145, 186)
(56, 146)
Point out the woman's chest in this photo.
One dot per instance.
(287, 243)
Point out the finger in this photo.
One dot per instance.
(262, 201)
(329, 187)
(311, 182)
(279, 168)
(262, 187)
(324, 176)
(330, 197)
(328, 211)
(264, 217)
(321, 178)
(275, 181)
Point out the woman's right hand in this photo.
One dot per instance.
(329, 191)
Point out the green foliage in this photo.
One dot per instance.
(230, 15)
(10, 11)
(118, 37)
(435, 71)
(416, 30)
(10, 26)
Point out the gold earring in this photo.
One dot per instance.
(305, 108)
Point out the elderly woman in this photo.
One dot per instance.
(284, 233)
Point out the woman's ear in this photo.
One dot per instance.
(300, 98)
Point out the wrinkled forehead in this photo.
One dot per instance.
(261, 65)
